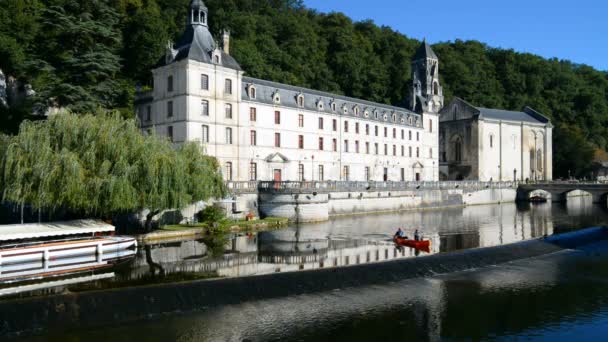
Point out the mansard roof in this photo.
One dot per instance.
(459, 109)
(424, 51)
(266, 90)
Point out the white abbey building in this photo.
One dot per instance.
(261, 130)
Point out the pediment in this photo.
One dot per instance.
(418, 165)
(277, 158)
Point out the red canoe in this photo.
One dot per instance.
(421, 245)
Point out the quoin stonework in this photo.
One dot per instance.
(262, 130)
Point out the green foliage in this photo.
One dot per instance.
(91, 53)
(211, 214)
(101, 165)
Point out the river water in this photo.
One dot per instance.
(563, 295)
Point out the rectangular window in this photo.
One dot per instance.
(320, 123)
(228, 136)
(205, 134)
(385, 132)
(300, 141)
(346, 173)
(394, 150)
(402, 134)
(402, 151)
(376, 148)
(228, 108)
(417, 136)
(148, 113)
(410, 134)
(385, 149)
(345, 126)
(367, 147)
(320, 144)
(356, 146)
(301, 172)
(253, 138)
(366, 129)
(170, 109)
(346, 146)
(277, 117)
(253, 171)
(229, 171)
(402, 174)
(321, 173)
(253, 114)
(367, 173)
(204, 82)
(228, 87)
(335, 125)
(334, 145)
(430, 125)
(430, 153)
(376, 130)
(277, 140)
(410, 151)
(204, 108)
(417, 152)
(170, 83)
(300, 120)
(394, 133)
(170, 133)
(357, 127)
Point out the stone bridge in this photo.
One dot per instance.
(561, 191)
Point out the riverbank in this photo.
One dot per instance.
(200, 230)
(94, 308)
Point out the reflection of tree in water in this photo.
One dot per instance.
(154, 266)
(216, 244)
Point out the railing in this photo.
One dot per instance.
(346, 186)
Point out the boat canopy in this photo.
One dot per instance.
(50, 229)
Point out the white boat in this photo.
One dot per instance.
(31, 243)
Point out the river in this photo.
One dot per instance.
(561, 295)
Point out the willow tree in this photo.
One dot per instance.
(102, 165)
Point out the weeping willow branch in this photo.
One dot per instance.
(102, 165)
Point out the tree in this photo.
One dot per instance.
(100, 165)
(573, 154)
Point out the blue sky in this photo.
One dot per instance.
(576, 30)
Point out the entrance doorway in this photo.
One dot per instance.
(277, 175)
(385, 176)
(417, 176)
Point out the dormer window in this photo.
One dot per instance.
(276, 97)
(385, 117)
(356, 111)
(320, 105)
(345, 109)
(216, 59)
(394, 117)
(366, 114)
(333, 106)
(301, 100)
(410, 121)
(376, 115)
(252, 92)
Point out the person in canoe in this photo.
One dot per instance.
(416, 235)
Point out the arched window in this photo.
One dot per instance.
(435, 88)
(539, 160)
(532, 160)
(491, 140)
(457, 144)
(300, 100)
(252, 92)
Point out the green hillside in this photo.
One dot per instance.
(91, 53)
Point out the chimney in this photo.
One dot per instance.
(226, 38)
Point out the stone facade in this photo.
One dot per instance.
(488, 144)
(261, 130)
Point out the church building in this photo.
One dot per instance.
(493, 144)
(262, 130)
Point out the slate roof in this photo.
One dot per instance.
(265, 91)
(508, 115)
(424, 51)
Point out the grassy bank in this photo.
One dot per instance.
(232, 225)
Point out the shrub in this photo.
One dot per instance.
(211, 214)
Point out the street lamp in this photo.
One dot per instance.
(312, 168)
(515, 175)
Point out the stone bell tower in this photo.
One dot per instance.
(427, 93)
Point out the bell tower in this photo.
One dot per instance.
(198, 13)
(427, 93)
